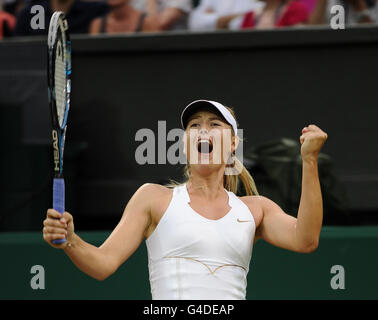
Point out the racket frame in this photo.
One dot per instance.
(58, 36)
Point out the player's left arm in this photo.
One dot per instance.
(299, 234)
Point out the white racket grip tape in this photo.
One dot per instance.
(58, 201)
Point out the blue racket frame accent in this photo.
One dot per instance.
(61, 150)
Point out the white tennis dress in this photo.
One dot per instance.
(191, 257)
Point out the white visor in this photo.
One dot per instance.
(192, 107)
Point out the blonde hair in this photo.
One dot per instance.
(230, 182)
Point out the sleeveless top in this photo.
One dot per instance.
(191, 257)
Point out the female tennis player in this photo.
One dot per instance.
(199, 234)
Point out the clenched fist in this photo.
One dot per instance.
(57, 226)
(312, 140)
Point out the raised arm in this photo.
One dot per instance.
(299, 234)
(101, 262)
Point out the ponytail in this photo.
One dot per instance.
(231, 182)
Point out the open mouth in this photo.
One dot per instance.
(204, 146)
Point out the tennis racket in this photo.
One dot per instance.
(59, 91)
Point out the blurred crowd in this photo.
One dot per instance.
(129, 16)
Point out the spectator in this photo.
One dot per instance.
(122, 18)
(79, 15)
(359, 11)
(164, 15)
(318, 15)
(356, 11)
(309, 4)
(7, 23)
(276, 13)
(374, 9)
(221, 14)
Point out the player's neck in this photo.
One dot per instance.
(61, 5)
(208, 186)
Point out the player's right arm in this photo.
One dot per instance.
(101, 262)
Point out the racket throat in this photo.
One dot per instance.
(58, 143)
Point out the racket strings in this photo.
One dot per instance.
(60, 82)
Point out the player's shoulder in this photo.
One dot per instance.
(155, 190)
(255, 200)
(258, 202)
(256, 205)
(157, 195)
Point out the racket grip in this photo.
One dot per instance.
(58, 201)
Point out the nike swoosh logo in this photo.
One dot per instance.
(243, 220)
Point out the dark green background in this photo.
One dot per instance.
(274, 273)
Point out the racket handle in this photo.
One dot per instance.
(58, 201)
